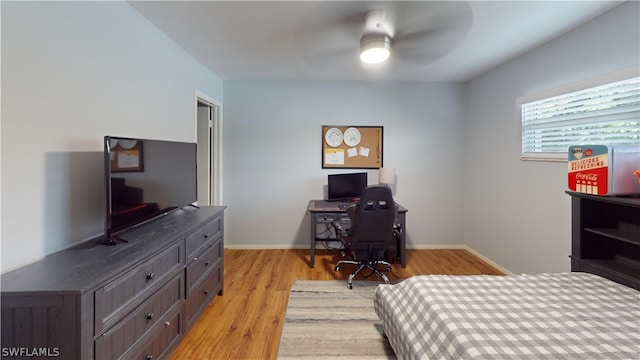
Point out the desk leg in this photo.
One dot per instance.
(312, 226)
(403, 241)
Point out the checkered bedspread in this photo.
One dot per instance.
(545, 316)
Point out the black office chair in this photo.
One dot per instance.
(371, 233)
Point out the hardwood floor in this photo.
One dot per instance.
(246, 322)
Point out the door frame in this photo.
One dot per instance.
(215, 144)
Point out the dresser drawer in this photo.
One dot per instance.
(159, 341)
(117, 340)
(199, 265)
(119, 297)
(203, 291)
(201, 238)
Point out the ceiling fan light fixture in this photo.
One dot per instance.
(375, 48)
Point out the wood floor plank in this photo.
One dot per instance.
(246, 322)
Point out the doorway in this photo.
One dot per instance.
(209, 139)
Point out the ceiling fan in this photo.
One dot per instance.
(375, 43)
(331, 35)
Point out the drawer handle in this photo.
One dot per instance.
(148, 357)
(206, 292)
(206, 235)
(195, 259)
(150, 275)
(167, 323)
(149, 316)
(206, 263)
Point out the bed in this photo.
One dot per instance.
(544, 316)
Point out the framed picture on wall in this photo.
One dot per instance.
(352, 147)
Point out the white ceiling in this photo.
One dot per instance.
(319, 40)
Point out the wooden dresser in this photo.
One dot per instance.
(135, 300)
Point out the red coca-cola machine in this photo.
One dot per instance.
(604, 170)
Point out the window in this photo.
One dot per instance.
(607, 114)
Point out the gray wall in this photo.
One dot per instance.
(73, 72)
(516, 212)
(272, 154)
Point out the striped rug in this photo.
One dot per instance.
(325, 320)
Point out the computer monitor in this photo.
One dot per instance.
(346, 186)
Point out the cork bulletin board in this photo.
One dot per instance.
(354, 147)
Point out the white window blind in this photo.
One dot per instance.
(607, 114)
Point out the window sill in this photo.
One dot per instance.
(546, 157)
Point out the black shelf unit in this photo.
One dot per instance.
(605, 234)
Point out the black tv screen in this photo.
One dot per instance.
(145, 179)
(346, 186)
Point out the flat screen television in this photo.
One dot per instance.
(145, 179)
(346, 186)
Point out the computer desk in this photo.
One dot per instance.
(325, 212)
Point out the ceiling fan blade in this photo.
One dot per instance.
(329, 32)
(431, 14)
(328, 47)
(432, 37)
(331, 59)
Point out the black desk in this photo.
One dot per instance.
(325, 212)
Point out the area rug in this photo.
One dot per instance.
(326, 320)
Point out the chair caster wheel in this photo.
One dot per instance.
(350, 286)
(388, 269)
(337, 268)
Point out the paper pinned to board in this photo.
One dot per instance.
(364, 151)
(334, 156)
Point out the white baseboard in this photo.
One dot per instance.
(488, 261)
(464, 247)
(436, 247)
(267, 247)
(426, 247)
